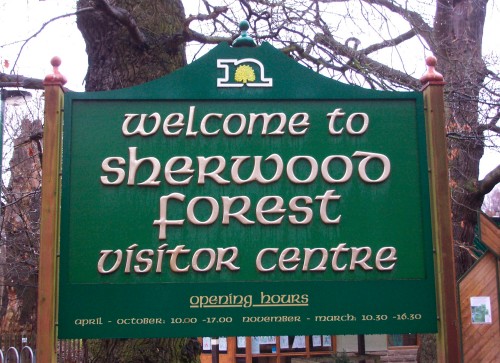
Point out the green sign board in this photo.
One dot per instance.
(244, 195)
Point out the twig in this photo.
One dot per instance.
(43, 27)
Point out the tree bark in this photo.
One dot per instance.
(458, 35)
(129, 43)
(20, 243)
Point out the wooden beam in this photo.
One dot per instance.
(49, 219)
(448, 346)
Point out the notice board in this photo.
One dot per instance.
(244, 194)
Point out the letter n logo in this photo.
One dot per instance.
(238, 73)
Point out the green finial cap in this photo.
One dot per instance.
(244, 40)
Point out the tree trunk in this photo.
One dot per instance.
(458, 38)
(20, 244)
(133, 46)
(129, 43)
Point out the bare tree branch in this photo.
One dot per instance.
(43, 27)
(218, 10)
(389, 43)
(192, 35)
(487, 184)
(492, 125)
(15, 80)
(413, 18)
(369, 65)
(123, 17)
(304, 54)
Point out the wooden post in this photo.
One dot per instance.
(215, 349)
(46, 339)
(361, 347)
(248, 349)
(448, 347)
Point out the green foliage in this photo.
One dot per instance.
(181, 350)
(427, 351)
(341, 358)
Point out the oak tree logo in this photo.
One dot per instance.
(244, 74)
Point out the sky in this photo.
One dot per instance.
(21, 19)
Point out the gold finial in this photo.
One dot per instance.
(56, 77)
(431, 75)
